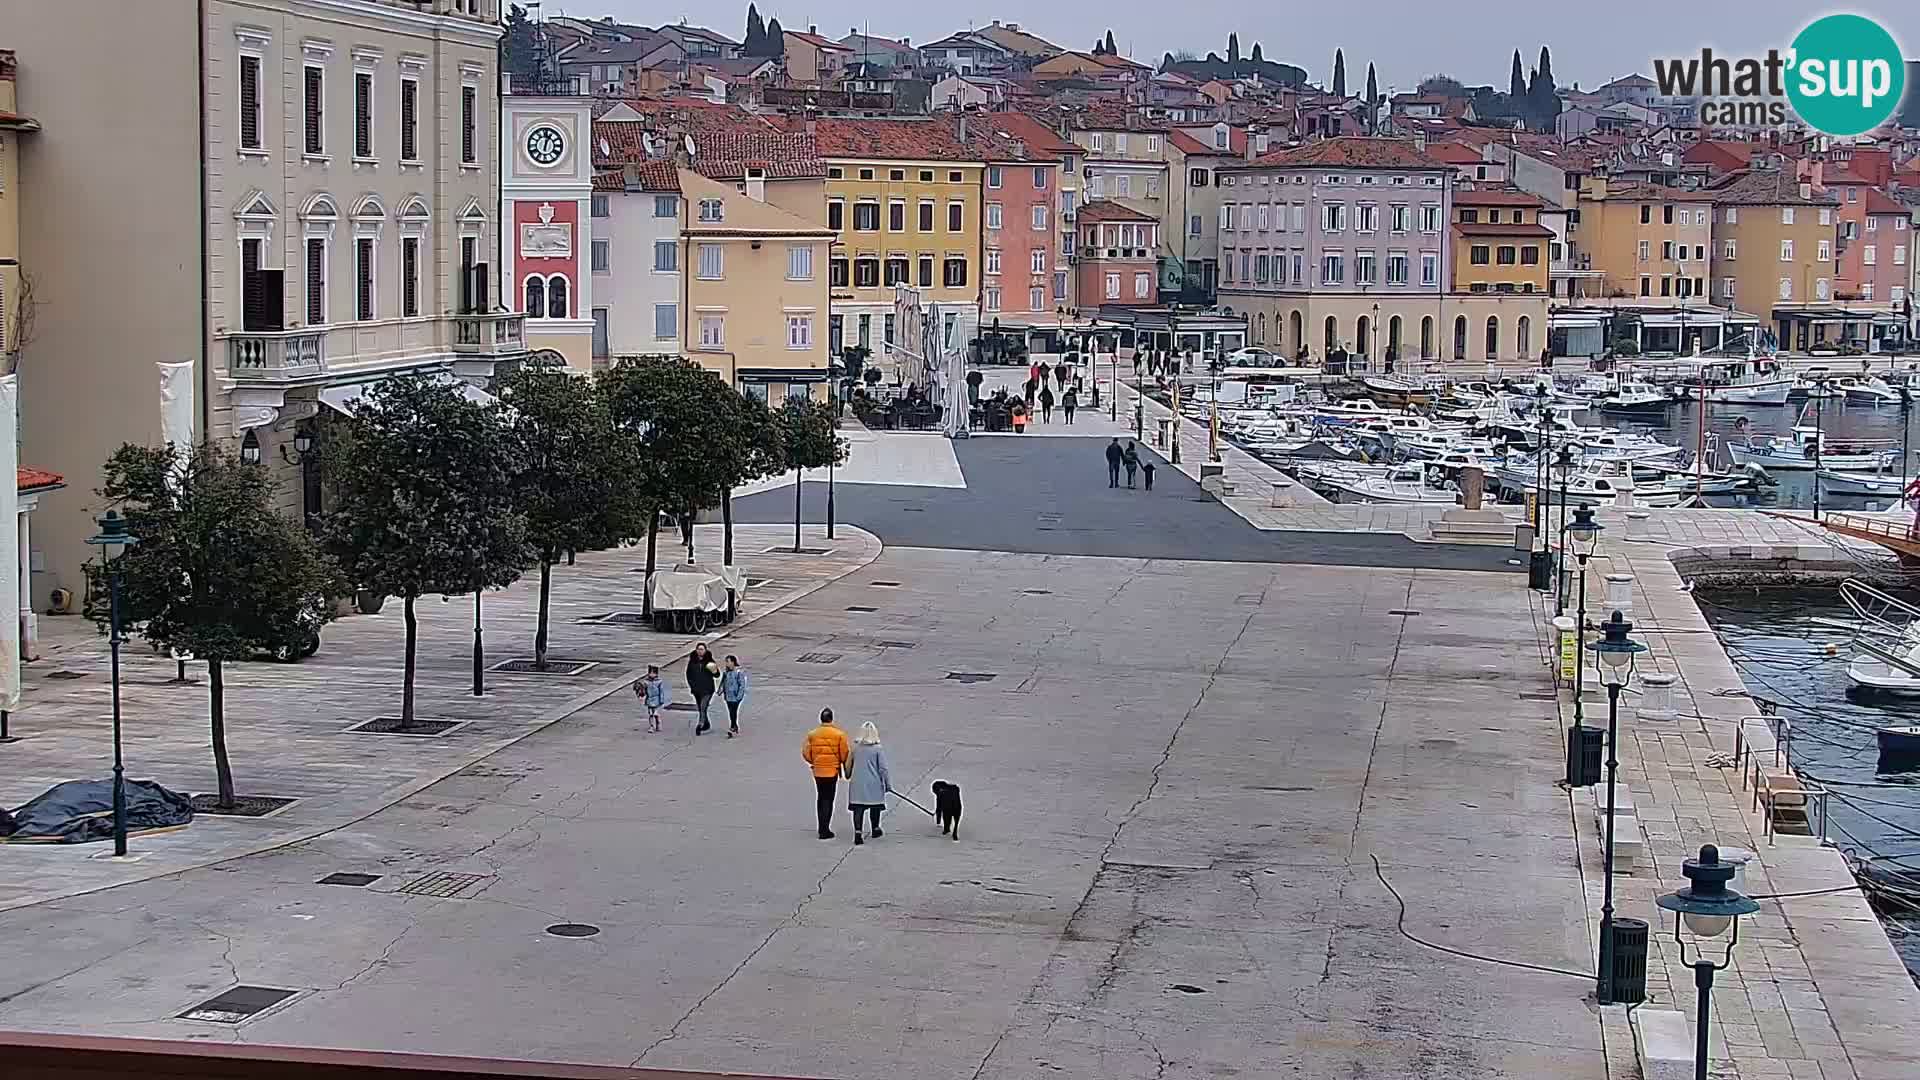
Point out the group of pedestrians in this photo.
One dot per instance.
(832, 756)
(705, 676)
(1129, 458)
(1039, 393)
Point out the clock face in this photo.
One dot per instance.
(545, 145)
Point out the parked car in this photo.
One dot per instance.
(1254, 357)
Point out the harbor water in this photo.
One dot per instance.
(1791, 648)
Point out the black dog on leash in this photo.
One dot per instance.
(946, 807)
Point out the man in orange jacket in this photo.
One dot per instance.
(827, 750)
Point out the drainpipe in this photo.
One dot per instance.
(206, 299)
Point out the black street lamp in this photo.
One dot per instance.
(1583, 535)
(250, 448)
(479, 650)
(1708, 907)
(1560, 570)
(1615, 653)
(113, 538)
(1819, 437)
(830, 458)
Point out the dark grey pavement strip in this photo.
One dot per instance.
(1049, 496)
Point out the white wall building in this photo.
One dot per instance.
(637, 284)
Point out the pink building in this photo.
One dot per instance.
(1118, 248)
(1023, 273)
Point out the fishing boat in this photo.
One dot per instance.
(1597, 484)
(1867, 391)
(1353, 409)
(1399, 390)
(1736, 380)
(1874, 485)
(1635, 397)
(1797, 450)
(1400, 484)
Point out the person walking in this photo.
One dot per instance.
(1114, 457)
(702, 674)
(827, 751)
(868, 780)
(1146, 471)
(652, 690)
(733, 681)
(1069, 402)
(1046, 405)
(1061, 371)
(1020, 412)
(1130, 457)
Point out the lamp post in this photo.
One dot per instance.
(1213, 418)
(1560, 569)
(830, 458)
(1708, 907)
(1113, 402)
(1174, 425)
(1615, 653)
(479, 651)
(1819, 437)
(112, 539)
(1583, 535)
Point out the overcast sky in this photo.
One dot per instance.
(1407, 39)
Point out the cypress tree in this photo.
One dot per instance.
(1111, 50)
(1233, 48)
(756, 43)
(1373, 99)
(1257, 58)
(1517, 82)
(776, 39)
(1339, 73)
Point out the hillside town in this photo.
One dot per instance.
(1492, 654)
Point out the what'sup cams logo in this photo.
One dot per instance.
(1843, 75)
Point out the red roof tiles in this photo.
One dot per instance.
(1501, 228)
(934, 139)
(1108, 210)
(1353, 153)
(1042, 144)
(652, 176)
(1879, 202)
(31, 479)
(1494, 197)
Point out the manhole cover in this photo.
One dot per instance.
(66, 675)
(861, 607)
(243, 805)
(896, 644)
(238, 1004)
(355, 881)
(971, 676)
(573, 929)
(818, 657)
(444, 884)
(1403, 611)
(419, 728)
(1038, 592)
(790, 551)
(527, 666)
(914, 509)
(884, 584)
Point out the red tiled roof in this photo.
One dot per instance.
(1455, 153)
(654, 176)
(1764, 187)
(1501, 228)
(1879, 202)
(1637, 192)
(1108, 210)
(816, 40)
(726, 155)
(1042, 144)
(935, 139)
(28, 478)
(1494, 197)
(1191, 144)
(1353, 153)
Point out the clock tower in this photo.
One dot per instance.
(546, 185)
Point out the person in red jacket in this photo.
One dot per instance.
(827, 750)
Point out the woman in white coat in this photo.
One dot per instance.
(870, 781)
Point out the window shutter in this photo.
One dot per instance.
(363, 274)
(362, 114)
(316, 282)
(314, 110)
(250, 102)
(409, 120)
(466, 124)
(410, 276)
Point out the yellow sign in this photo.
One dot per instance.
(1569, 655)
(1533, 499)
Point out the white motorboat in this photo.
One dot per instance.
(1812, 383)
(1745, 380)
(1867, 391)
(1601, 484)
(1633, 396)
(1401, 484)
(1604, 445)
(1796, 450)
(1353, 409)
(1886, 641)
(1873, 485)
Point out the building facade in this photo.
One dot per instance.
(317, 206)
(1117, 266)
(637, 288)
(546, 189)
(1029, 200)
(1648, 243)
(904, 199)
(1773, 240)
(1339, 245)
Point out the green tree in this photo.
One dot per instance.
(807, 432)
(424, 496)
(1109, 46)
(756, 40)
(1543, 98)
(1442, 86)
(519, 47)
(1233, 48)
(776, 40)
(1373, 100)
(693, 437)
(575, 478)
(1339, 73)
(1257, 58)
(216, 571)
(1517, 81)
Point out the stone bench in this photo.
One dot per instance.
(1664, 1044)
(1629, 842)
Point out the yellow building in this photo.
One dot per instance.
(755, 258)
(12, 126)
(1773, 246)
(904, 201)
(1499, 244)
(1650, 243)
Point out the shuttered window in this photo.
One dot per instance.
(467, 102)
(316, 282)
(410, 276)
(250, 102)
(409, 120)
(314, 112)
(362, 114)
(363, 278)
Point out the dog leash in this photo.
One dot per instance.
(913, 804)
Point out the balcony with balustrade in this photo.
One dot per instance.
(494, 335)
(277, 357)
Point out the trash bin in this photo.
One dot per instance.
(1629, 981)
(1584, 745)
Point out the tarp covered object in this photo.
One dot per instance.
(689, 590)
(81, 811)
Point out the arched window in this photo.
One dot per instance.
(557, 297)
(1333, 334)
(536, 296)
(1526, 337)
(1459, 337)
(1363, 336)
(1426, 337)
(1493, 337)
(1260, 329)
(1393, 337)
(1297, 331)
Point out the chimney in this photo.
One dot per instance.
(630, 175)
(1420, 139)
(906, 41)
(1250, 153)
(1013, 26)
(962, 117)
(1819, 175)
(756, 183)
(1260, 137)
(813, 122)
(812, 29)
(996, 22)
(1806, 190)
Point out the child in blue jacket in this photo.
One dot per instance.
(733, 691)
(652, 689)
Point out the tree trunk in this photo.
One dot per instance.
(799, 482)
(726, 521)
(653, 536)
(406, 680)
(686, 531)
(540, 631)
(217, 697)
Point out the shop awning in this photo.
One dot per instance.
(342, 398)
